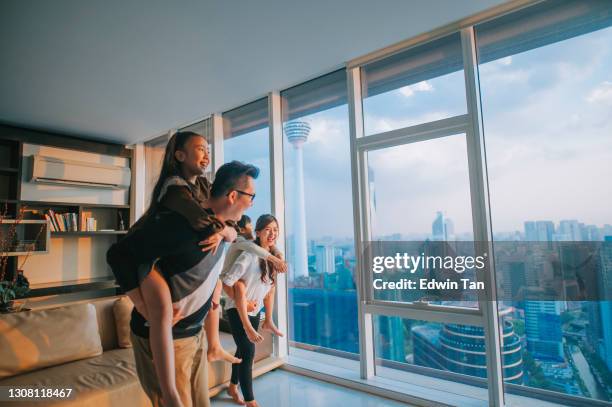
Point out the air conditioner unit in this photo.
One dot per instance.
(50, 170)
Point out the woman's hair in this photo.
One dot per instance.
(242, 230)
(267, 271)
(170, 166)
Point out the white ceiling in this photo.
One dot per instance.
(127, 71)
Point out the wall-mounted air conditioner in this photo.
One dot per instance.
(49, 170)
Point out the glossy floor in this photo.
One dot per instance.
(282, 389)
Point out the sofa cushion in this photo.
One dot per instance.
(106, 380)
(106, 321)
(122, 308)
(35, 339)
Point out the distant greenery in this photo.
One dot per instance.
(600, 367)
(519, 326)
(567, 317)
(536, 374)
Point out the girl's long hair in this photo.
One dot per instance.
(170, 165)
(267, 271)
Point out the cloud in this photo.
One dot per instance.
(601, 94)
(423, 86)
(505, 61)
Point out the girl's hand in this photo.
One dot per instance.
(253, 335)
(212, 243)
(278, 265)
(251, 306)
(229, 234)
(177, 314)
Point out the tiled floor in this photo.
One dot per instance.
(284, 389)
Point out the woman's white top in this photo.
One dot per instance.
(246, 268)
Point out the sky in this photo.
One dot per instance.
(548, 133)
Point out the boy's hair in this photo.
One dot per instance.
(244, 220)
(228, 177)
(242, 230)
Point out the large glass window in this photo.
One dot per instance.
(420, 193)
(416, 86)
(246, 138)
(319, 218)
(546, 87)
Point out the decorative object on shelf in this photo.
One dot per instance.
(13, 289)
(121, 224)
(13, 285)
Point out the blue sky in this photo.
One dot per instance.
(548, 128)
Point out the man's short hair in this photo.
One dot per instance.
(229, 175)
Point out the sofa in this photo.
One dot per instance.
(83, 346)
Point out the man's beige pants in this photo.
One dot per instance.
(190, 365)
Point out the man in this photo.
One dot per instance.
(179, 378)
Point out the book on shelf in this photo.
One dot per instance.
(91, 225)
(62, 222)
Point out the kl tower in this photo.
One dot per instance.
(297, 134)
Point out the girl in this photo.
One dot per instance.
(257, 284)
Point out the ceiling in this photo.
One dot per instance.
(127, 71)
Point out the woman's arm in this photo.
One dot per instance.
(157, 300)
(251, 247)
(237, 290)
(241, 306)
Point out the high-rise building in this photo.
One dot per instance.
(539, 231)
(438, 227)
(461, 349)
(326, 318)
(543, 329)
(606, 306)
(569, 231)
(325, 261)
(390, 338)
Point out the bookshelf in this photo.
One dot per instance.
(111, 221)
(71, 219)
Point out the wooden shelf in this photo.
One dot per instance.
(90, 233)
(9, 170)
(71, 204)
(70, 286)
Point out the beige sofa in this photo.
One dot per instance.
(76, 346)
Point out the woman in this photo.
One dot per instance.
(252, 280)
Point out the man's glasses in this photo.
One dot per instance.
(246, 193)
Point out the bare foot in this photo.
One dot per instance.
(232, 390)
(252, 403)
(254, 336)
(270, 327)
(218, 353)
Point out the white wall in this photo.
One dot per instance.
(70, 258)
